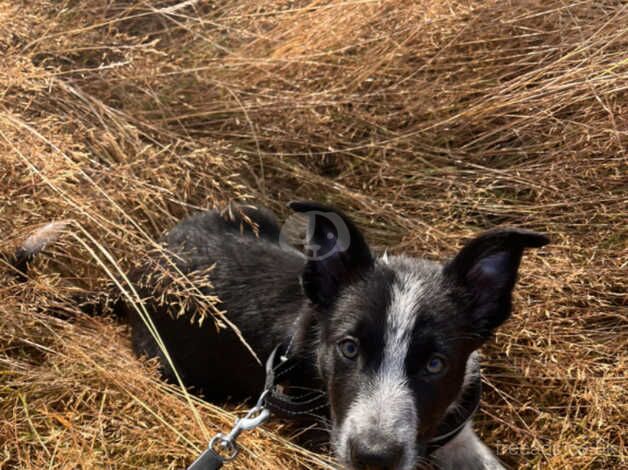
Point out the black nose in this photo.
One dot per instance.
(375, 454)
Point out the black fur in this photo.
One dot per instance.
(258, 286)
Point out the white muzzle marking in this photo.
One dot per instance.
(385, 407)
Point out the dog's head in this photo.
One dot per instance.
(396, 333)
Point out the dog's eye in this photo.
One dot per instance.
(349, 348)
(435, 365)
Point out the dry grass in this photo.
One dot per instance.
(430, 120)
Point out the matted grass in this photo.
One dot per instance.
(428, 120)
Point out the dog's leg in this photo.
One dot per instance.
(466, 452)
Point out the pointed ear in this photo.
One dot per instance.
(486, 270)
(337, 252)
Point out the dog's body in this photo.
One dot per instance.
(392, 340)
(258, 286)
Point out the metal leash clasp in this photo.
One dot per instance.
(254, 418)
(223, 448)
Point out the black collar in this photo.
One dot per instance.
(283, 397)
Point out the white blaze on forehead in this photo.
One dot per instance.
(401, 315)
(386, 405)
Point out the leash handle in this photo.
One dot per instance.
(208, 460)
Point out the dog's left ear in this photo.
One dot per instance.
(336, 251)
(486, 269)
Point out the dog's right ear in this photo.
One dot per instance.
(336, 251)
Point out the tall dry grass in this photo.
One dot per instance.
(429, 120)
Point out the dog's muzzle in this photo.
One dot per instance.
(379, 431)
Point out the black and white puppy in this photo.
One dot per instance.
(392, 339)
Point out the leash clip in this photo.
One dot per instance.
(254, 418)
(223, 448)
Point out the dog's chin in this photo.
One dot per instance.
(407, 464)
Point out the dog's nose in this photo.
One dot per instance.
(375, 454)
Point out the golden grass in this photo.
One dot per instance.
(428, 120)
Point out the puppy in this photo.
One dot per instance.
(391, 339)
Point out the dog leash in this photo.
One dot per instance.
(274, 398)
